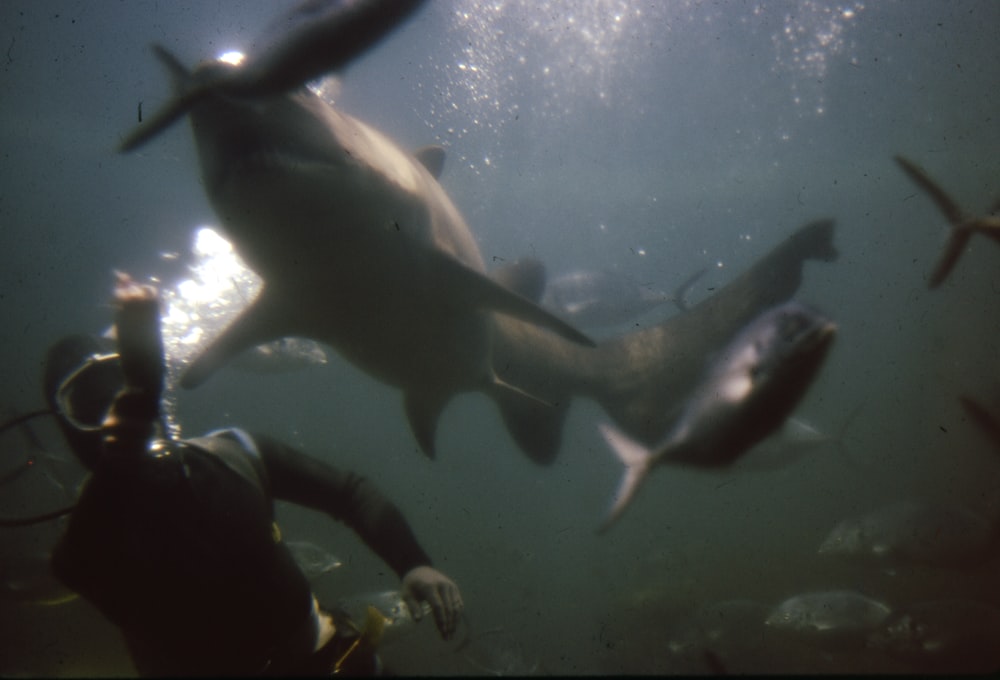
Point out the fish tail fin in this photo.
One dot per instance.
(680, 293)
(534, 423)
(637, 460)
(957, 218)
(185, 96)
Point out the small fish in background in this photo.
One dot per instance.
(908, 533)
(747, 393)
(591, 299)
(497, 652)
(831, 619)
(313, 560)
(963, 224)
(943, 636)
(283, 355)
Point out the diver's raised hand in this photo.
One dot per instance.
(426, 584)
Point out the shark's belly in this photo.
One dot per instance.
(413, 346)
(358, 257)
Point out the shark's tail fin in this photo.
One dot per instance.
(184, 98)
(960, 225)
(637, 460)
(680, 293)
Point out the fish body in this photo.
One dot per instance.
(835, 619)
(281, 356)
(747, 393)
(907, 533)
(943, 636)
(594, 298)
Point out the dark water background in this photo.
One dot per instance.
(675, 136)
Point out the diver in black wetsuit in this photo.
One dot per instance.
(174, 541)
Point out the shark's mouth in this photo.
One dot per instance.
(266, 161)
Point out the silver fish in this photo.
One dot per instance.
(909, 533)
(747, 393)
(591, 299)
(834, 618)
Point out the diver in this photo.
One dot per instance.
(174, 541)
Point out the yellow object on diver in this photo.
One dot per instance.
(368, 636)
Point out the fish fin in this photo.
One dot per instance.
(957, 218)
(185, 96)
(945, 203)
(986, 422)
(264, 320)
(423, 412)
(680, 293)
(482, 291)
(534, 424)
(637, 460)
(526, 277)
(432, 158)
(180, 75)
(957, 241)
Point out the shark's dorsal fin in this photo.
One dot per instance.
(479, 290)
(526, 277)
(432, 158)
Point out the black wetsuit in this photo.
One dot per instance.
(180, 550)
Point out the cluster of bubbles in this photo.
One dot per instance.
(812, 35)
(557, 52)
(560, 54)
(218, 286)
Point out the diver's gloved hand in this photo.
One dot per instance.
(426, 584)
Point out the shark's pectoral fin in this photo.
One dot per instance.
(536, 425)
(423, 410)
(478, 290)
(432, 158)
(526, 277)
(265, 319)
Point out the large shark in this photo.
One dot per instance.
(357, 244)
(359, 247)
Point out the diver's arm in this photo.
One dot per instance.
(346, 496)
